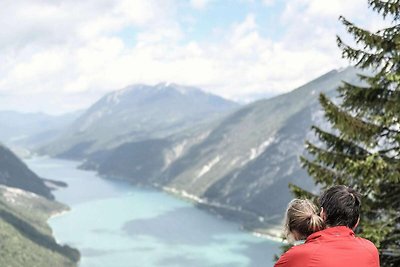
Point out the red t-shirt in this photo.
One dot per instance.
(332, 247)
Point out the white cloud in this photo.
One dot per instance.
(323, 9)
(73, 52)
(199, 4)
(269, 2)
(68, 47)
(41, 64)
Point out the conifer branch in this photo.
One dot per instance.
(351, 127)
(385, 8)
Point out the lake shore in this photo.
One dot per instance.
(271, 232)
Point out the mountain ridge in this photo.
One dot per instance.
(241, 166)
(134, 113)
(27, 129)
(15, 173)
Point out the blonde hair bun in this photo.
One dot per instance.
(302, 219)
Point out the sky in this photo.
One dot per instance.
(58, 56)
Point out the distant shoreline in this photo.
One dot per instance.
(59, 213)
(269, 233)
(273, 233)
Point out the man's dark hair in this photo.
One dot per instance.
(341, 205)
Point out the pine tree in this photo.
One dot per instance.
(363, 148)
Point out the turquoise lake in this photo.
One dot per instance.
(115, 224)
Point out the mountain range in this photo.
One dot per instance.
(137, 112)
(28, 130)
(239, 165)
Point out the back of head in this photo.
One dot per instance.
(341, 206)
(302, 219)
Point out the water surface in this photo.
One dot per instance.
(115, 224)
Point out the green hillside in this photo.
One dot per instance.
(25, 238)
(25, 206)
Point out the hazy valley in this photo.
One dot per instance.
(235, 161)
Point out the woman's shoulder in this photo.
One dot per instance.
(298, 253)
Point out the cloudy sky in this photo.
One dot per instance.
(61, 55)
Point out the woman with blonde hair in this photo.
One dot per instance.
(302, 220)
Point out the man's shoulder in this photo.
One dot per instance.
(367, 244)
(365, 241)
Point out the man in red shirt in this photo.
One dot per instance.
(336, 246)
